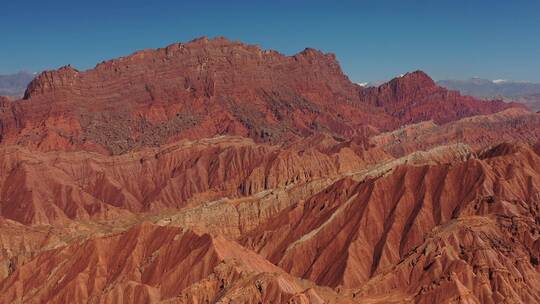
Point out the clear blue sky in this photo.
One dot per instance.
(373, 40)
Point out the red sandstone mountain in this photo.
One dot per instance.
(213, 87)
(229, 174)
(415, 97)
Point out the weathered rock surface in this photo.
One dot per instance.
(511, 126)
(447, 225)
(352, 231)
(148, 264)
(343, 214)
(468, 260)
(215, 87)
(46, 188)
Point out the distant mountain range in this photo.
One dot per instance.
(14, 85)
(520, 91)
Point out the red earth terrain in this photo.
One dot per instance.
(218, 172)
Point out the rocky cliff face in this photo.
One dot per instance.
(217, 172)
(214, 87)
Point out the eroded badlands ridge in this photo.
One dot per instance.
(443, 225)
(295, 208)
(217, 172)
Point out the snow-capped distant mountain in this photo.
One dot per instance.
(508, 90)
(492, 88)
(14, 85)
